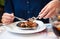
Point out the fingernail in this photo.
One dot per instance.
(40, 17)
(12, 14)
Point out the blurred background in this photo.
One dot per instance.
(1, 8)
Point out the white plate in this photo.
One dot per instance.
(15, 29)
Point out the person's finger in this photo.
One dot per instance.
(5, 21)
(12, 15)
(50, 13)
(7, 17)
(43, 9)
(45, 12)
(7, 14)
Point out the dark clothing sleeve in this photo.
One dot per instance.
(25, 8)
(8, 6)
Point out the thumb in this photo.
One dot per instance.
(12, 14)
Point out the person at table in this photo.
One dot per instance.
(28, 8)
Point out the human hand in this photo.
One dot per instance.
(7, 18)
(49, 10)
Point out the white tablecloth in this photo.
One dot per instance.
(8, 35)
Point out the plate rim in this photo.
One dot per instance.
(27, 33)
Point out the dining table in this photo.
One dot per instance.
(45, 34)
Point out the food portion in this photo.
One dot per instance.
(28, 24)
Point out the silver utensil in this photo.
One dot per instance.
(21, 19)
(35, 18)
